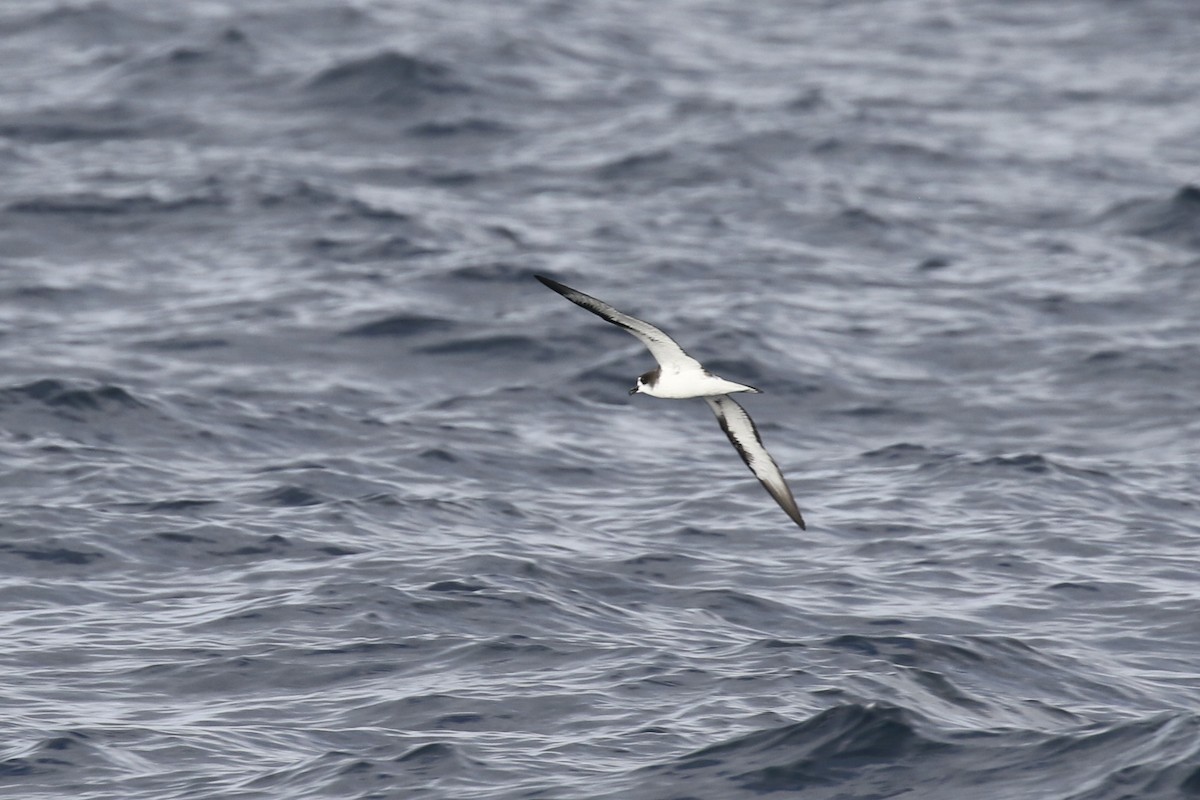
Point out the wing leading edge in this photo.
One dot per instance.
(664, 349)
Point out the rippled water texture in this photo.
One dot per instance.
(310, 490)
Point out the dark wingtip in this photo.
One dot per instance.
(794, 513)
(550, 283)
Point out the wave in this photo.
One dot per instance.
(387, 248)
(490, 346)
(880, 750)
(389, 80)
(61, 395)
(401, 326)
(97, 204)
(1173, 221)
(71, 123)
(51, 554)
(827, 750)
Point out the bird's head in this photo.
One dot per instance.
(645, 382)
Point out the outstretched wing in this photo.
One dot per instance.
(745, 439)
(664, 349)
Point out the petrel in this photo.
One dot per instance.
(679, 376)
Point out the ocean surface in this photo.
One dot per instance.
(308, 489)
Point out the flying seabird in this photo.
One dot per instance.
(679, 376)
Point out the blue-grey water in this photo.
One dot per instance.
(309, 490)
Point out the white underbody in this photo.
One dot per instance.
(682, 383)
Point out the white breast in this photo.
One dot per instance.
(681, 384)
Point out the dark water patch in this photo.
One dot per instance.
(228, 58)
(64, 396)
(361, 209)
(442, 761)
(1143, 364)
(651, 559)
(1144, 758)
(825, 750)
(517, 645)
(43, 293)
(96, 24)
(47, 756)
(211, 543)
(493, 346)
(185, 344)
(102, 414)
(355, 767)
(872, 411)
(264, 545)
(1191, 783)
(908, 453)
(1074, 308)
(783, 644)
(293, 466)
(502, 272)
(1038, 464)
(900, 149)
(295, 194)
(469, 126)
(1074, 587)
(337, 551)
(655, 170)
(443, 175)
(428, 754)
(754, 151)
(944, 689)
(355, 251)
(638, 165)
(934, 263)
(179, 537)
(1175, 221)
(665, 567)
(881, 534)
(95, 204)
(62, 743)
(179, 506)
(691, 531)
(292, 497)
(459, 720)
(739, 607)
(401, 326)
(384, 499)
(84, 124)
(1105, 356)
(907, 651)
(390, 80)
(854, 227)
(508, 235)
(380, 649)
(49, 554)
(455, 586)
(881, 751)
